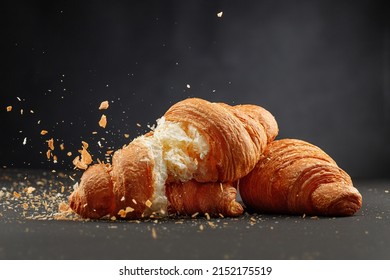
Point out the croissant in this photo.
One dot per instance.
(186, 165)
(295, 177)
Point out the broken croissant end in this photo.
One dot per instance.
(295, 177)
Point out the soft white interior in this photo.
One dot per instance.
(160, 175)
(176, 152)
(181, 148)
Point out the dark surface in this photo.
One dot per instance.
(363, 236)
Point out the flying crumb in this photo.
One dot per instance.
(103, 121)
(9, 108)
(85, 144)
(62, 146)
(50, 143)
(44, 132)
(69, 154)
(104, 105)
(129, 210)
(188, 86)
(127, 135)
(220, 14)
(24, 140)
(84, 160)
(48, 154)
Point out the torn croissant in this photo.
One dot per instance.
(295, 177)
(185, 166)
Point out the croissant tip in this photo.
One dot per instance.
(345, 200)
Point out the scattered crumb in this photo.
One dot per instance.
(220, 14)
(69, 154)
(207, 216)
(9, 108)
(62, 146)
(188, 86)
(201, 227)
(104, 105)
(30, 190)
(24, 140)
(103, 121)
(129, 210)
(126, 135)
(122, 213)
(194, 215)
(154, 233)
(211, 224)
(44, 132)
(16, 194)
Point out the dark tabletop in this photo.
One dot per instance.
(29, 229)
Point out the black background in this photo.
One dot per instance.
(321, 67)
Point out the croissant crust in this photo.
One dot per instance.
(295, 177)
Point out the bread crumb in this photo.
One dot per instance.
(194, 215)
(30, 190)
(126, 135)
(207, 216)
(9, 108)
(220, 14)
(129, 210)
(103, 121)
(148, 203)
(69, 154)
(211, 224)
(62, 146)
(16, 194)
(154, 233)
(104, 105)
(201, 227)
(44, 132)
(50, 143)
(85, 144)
(63, 207)
(122, 213)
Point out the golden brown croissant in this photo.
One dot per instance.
(172, 168)
(295, 177)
